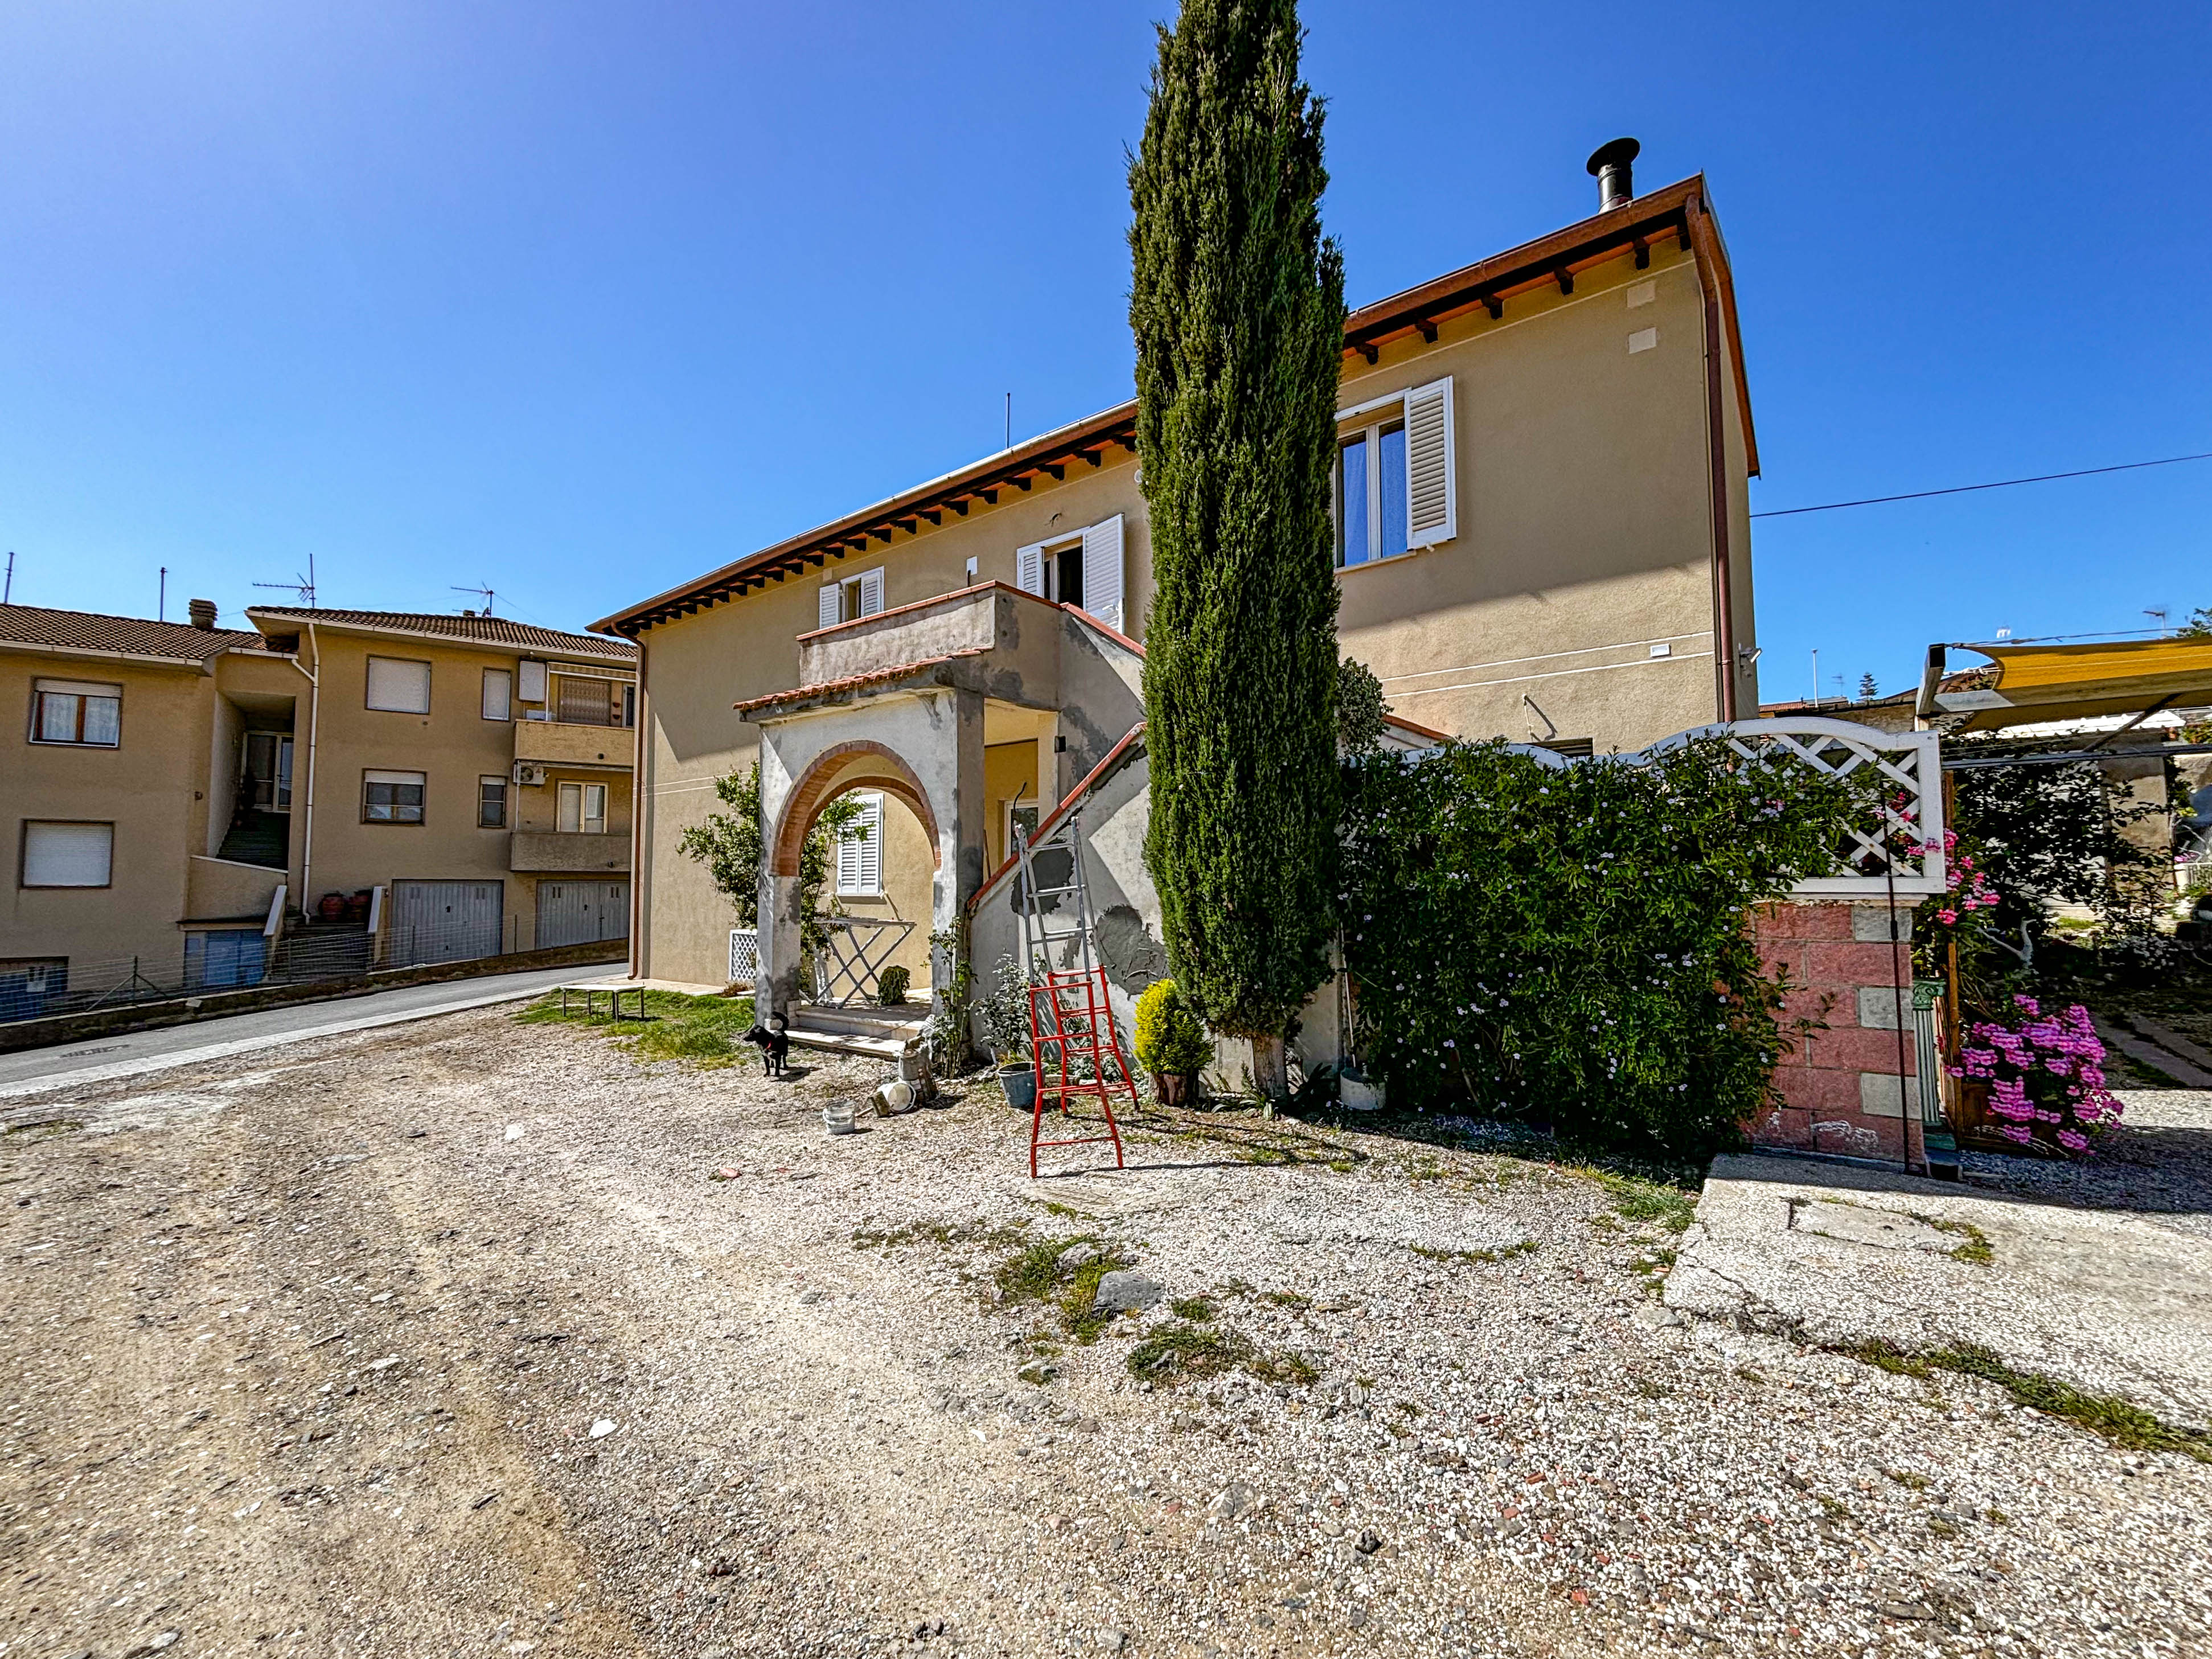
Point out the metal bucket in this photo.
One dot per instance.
(837, 1117)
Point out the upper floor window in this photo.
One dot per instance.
(498, 694)
(1396, 488)
(1083, 568)
(68, 854)
(491, 803)
(579, 700)
(391, 797)
(583, 808)
(398, 685)
(75, 711)
(851, 597)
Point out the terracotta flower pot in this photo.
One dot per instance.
(1173, 1088)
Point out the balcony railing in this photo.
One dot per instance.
(567, 742)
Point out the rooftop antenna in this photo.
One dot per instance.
(2158, 615)
(1010, 420)
(303, 585)
(1816, 676)
(8, 592)
(486, 591)
(161, 598)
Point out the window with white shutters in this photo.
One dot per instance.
(1029, 569)
(68, 854)
(399, 686)
(860, 851)
(1396, 488)
(1101, 571)
(851, 597)
(1431, 503)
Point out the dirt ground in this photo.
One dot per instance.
(446, 1339)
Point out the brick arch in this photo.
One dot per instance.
(820, 783)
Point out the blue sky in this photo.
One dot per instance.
(579, 300)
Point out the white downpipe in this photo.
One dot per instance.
(314, 721)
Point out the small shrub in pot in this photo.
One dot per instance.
(1170, 1042)
(890, 986)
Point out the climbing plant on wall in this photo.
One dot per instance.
(1575, 945)
(1237, 301)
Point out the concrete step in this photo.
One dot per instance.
(890, 1025)
(886, 1049)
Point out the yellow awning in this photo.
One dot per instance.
(2038, 683)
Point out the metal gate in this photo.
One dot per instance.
(444, 920)
(580, 911)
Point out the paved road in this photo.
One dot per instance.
(99, 1058)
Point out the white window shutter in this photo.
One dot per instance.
(825, 614)
(1431, 461)
(872, 591)
(872, 850)
(1101, 571)
(1029, 569)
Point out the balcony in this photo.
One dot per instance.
(1007, 641)
(563, 743)
(539, 852)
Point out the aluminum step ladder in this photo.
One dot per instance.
(1072, 1031)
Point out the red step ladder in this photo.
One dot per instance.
(1071, 1032)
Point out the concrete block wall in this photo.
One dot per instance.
(1844, 1088)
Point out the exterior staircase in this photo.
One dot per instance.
(262, 838)
(878, 1033)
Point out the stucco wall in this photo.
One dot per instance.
(145, 787)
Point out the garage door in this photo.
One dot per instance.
(581, 912)
(444, 920)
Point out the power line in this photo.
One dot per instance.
(1962, 490)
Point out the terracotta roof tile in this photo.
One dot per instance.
(494, 630)
(853, 682)
(133, 636)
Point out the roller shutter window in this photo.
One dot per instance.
(68, 854)
(498, 694)
(1431, 461)
(76, 712)
(530, 682)
(391, 797)
(398, 686)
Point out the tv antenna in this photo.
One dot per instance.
(303, 585)
(486, 591)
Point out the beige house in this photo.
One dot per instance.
(192, 807)
(1543, 534)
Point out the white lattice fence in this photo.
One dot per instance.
(744, 956)
(1910, 816)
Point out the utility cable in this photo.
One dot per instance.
(1963, 489)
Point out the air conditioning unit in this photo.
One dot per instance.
(529, 774)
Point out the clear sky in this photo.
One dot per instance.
(577, 301)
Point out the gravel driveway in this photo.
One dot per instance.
(446, 1339)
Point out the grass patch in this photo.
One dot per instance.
(1286, 1298)
(1195, 1309)
(1975, 1243)
(1657, 1265)
(2115, 1420)
(1041, 1273)
(1908, 1479)
(937, 1232)
(1635, 1198)
(1476, 1258)
(1184, 1351)
(705, 1031)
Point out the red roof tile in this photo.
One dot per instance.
(490, 631)
(853, 682)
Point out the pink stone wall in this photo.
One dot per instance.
(1842, 1087)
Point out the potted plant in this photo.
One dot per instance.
(1006, 1014)
(890, 987)
(2035, 1082)
(1170, 1042)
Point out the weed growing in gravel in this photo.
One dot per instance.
(1477, 1258)
(2117, 1420)
(1187, 1350)
(1637, 1200)
(1653, 1264)
(937, 1232)
(1039, 1273)
(1195, 1309)
(705, 1030)
(1286, 1298)
(1976, 1248)
(1908, 1479)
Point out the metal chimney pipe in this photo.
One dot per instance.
(1609, 165)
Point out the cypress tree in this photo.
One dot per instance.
(1237, 301)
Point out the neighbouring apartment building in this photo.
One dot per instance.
(1543, 534)
(195, 807)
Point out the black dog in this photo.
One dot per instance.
(774, 1044)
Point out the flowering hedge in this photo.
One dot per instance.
(1575, 945)
(2046, 1075)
